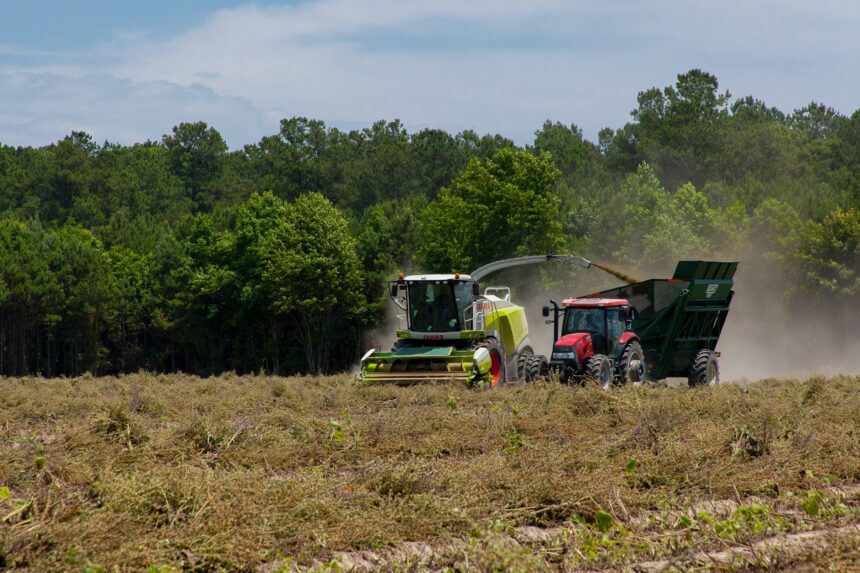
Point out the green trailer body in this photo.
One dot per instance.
(676, 318)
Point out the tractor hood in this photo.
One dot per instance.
(572, 339)
(581, 341)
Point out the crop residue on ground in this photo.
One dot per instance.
(243, 473)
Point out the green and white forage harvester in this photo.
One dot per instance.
(451, 330)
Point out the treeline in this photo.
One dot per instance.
(183, 255)
(277, 287)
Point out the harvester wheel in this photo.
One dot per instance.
(535, 367)
(398, 344)
(631, 367)
(522, 365)
(704, 369)
(496, 375)
(598, 368)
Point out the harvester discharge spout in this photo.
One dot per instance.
(487, 269)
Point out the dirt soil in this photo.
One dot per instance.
(178, 473)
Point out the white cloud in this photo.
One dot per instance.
(317, 59)
(491, 65)
(313, 60)
(40, 108)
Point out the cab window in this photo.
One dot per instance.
(432, 307)
(463, 298)
(615, 324)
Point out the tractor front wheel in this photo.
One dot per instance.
(598, 368)
(535, 367)
(704, 369)
(496, 375)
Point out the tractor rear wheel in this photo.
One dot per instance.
(496, 375)
(631, 367)
(535, 367)
(704, 369)
(598, 368)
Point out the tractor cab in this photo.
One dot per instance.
(603, 318)
(438, 305)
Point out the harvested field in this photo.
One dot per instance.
(278, 474)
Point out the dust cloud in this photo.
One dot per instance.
(765, 337)
(383, 337)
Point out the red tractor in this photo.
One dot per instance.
(650, 330)
(596, 341)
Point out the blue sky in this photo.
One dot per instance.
(129, 71)
(61, 25)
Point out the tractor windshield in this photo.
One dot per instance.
(583, 320)
(432, 307)
(590, 320)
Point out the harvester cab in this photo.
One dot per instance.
(450, 330)
(437, 307)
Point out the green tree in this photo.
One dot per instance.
(438, 158)
(829, 255)
(196, 153)
(70, 175)
(133, 332)
(312, 273)
(576, 158)
(303, 157)
(501, 207)
(678, 128)
(263, 332)
(845, 158)
(660, 227)
(817, 120)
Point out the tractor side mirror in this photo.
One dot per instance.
(392, 289)
(476, 289)
(545, 311)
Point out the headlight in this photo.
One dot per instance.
(564, 353)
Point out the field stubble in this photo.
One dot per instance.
(257, 472)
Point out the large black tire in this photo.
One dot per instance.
(704, 369)
(599, 369)
(522, 365)
(631, 366)
(535, 367)
(497, 374)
